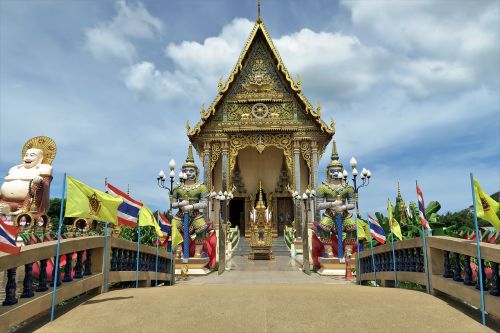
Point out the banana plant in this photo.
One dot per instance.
(412, 228)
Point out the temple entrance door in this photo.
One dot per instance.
(237, 214)
(285, 213)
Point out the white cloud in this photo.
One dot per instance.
(332, 64)
(144, 79)
(111, 39)
(198, 66)
(447, 45)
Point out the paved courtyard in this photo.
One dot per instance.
(281, 270)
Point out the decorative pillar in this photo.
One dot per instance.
(223, 206)
(248, 206)
(206, 164)
(274, 217)
(225, 165)
(314, 175)
(206, 174)
(296, 168)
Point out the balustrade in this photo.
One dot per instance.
(75, 276)
(453, 267)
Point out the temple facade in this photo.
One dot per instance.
(260, 128)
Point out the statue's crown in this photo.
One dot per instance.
(190, 159)
(335, 162)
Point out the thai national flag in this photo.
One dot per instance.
(376, 230)
(8, 235)
(165, 225)
(128, 211)
(421, 209)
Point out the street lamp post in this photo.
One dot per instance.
(365, 178)
(307, 198)
(161, 181)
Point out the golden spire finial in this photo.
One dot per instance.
(402, 205)
(260, 203)
(259, 18)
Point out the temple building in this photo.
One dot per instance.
(260, 128)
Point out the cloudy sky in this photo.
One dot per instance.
(413, 85)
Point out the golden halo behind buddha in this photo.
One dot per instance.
(44, 143)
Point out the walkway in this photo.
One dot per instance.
(264, 308)
(264, 296)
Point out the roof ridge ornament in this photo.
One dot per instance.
(259, 18)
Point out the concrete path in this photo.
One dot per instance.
(264, 308)
(264, 296)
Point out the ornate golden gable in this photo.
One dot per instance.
(260, 96)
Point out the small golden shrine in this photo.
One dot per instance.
(260, 127)
(261, 237)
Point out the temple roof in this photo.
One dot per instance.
(295, 87)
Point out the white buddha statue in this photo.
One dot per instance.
(26, 186)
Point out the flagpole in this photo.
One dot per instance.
(371, 247)
(393, 252)
(172, 270)
(106, 259)
(138, 254)
(480, 265)
(58, 249)
(358, 266)
(428, 287)
(394, 260)
(156, 264)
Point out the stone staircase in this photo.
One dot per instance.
(242, 249)
(279, 248)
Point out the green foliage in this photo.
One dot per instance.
(449, 224)
(412, 228)
(148, 234)
(54, 211)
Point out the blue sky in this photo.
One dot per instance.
(413, 85)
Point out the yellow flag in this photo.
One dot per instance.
(146, 218)
(176, 236)
(363, 230)
(395, 228)
(86, 202)
(486, 207)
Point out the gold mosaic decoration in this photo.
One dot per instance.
(260, 82)
(305, 149)
(214, 156)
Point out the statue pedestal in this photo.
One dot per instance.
(298, 246)
(334, 267)
(195, 266)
